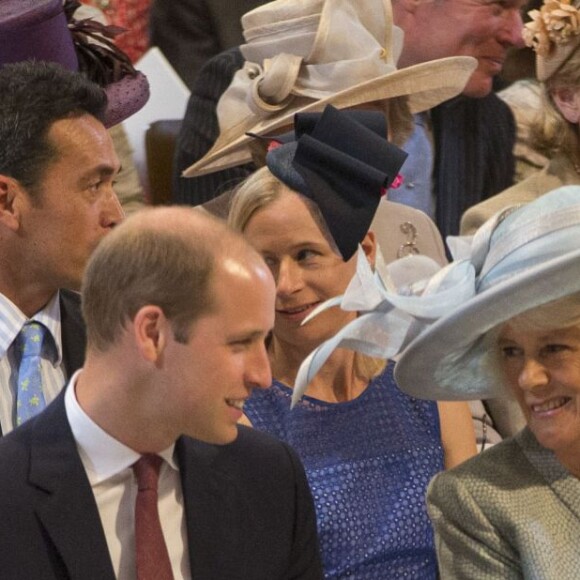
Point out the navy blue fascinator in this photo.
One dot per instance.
(342, 161)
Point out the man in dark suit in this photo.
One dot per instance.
(177, 309)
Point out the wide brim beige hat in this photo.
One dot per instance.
(302, 56)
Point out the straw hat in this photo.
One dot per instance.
(554, 33)
(521, 259)
(302, 55)
(45, 30)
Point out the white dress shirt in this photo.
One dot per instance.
(107, 463)
(52, 370)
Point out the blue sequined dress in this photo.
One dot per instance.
(368, 463)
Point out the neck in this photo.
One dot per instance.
(335, 382)
(121, 403)
(29, 296)
(571, 461)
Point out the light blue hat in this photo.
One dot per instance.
(522, 258)
(433, 321)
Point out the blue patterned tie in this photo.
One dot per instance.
(29, 397)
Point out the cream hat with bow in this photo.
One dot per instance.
(302, 55)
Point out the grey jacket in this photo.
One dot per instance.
(511, 512)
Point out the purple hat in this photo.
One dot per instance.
(46, 30)
(343, 162)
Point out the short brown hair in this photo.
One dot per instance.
(143, 264)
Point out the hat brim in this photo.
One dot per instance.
(125, 97)
(416, 369)
(427, 85)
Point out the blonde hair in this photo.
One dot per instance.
(552, 133)
(257, 192)
(559, 314)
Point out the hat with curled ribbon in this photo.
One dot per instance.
(554, 34)
(521, 258)
(46, 30)
(344, 164)
(302, 56)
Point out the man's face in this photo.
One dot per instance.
(483, 29)
(75, 205)
(225, 358)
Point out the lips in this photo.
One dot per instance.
(297, 310)
(297, 313)
(236, 403)
(549, 405)
(496, 63)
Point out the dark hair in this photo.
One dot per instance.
(34, 96)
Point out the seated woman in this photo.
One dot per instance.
(513, 511)
(368, 449)
(554, 33)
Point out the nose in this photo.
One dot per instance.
(288, 279)
(511, 31)
(533, 375)
(258, 372)
(112, 213)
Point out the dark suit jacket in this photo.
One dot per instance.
(74, 336)
(248, 507)
(189, 32)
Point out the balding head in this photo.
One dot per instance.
(166, 257)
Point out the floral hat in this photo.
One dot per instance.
(554, 33)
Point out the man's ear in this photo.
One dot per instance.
(369, 246)
(10, 190)
(567, 99)
(150, 331)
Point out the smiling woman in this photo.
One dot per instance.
(368, 449)
(508, 512)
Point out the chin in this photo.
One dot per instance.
(479, 86)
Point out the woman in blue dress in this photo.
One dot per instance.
(368, 449)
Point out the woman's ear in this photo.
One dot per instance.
(567, 99)
(369, 246)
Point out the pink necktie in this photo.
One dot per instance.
(152, 558)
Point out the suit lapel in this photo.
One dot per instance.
(74, 338)
(216, 511)
(66, 505)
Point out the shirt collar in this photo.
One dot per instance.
(12, 319)
(102, 455)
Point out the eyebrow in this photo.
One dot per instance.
(250, 335)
